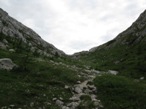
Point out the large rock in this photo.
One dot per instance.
(78, 90)
(73, 105)
(113, 72)
(65, 107)
(59, 103)
(7, 64)
(75, 98)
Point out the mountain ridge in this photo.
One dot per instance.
(14, 29)
(135, 26)
(125, 52)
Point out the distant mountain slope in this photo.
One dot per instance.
(126, 53)
(13, 32)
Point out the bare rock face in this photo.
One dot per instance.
(6, 64)
(12, 29)
(135, 33)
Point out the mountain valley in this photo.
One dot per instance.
(34, 74)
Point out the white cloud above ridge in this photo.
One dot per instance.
(75, 25)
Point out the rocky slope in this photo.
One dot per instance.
(135, 34)
(125, 52)
(12, 31)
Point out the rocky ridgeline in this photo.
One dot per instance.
(137, 31)
(11, 29)
(135, 34)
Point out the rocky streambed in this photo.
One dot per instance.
(84, 95)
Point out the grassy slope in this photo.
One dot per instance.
(119, 92)
(124, 91)
(36, 80)
(126, 53)
(127, 59)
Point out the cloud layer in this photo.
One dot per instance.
(75, 25)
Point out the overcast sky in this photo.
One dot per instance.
(75, 25)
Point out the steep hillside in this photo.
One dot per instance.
(14, 33)
(125, 53)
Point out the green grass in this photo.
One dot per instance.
(35, 80)
(118, 92)
(22, 88)
(86, 102)
(127, 59)
(39, 84)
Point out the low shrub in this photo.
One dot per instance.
(118, 92)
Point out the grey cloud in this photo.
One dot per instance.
(79, 44)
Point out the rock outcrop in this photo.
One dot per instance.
(135, 34)
(7, 64)
(14, 30)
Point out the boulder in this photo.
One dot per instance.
(66, 87)
(65, 107)
(54, 99)
(7, 64)
(75, 98)
(141, 78)
(73, 105)
(87, 91)
(59, 102)
(78, 90)
(113, 72)
(78, 82)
